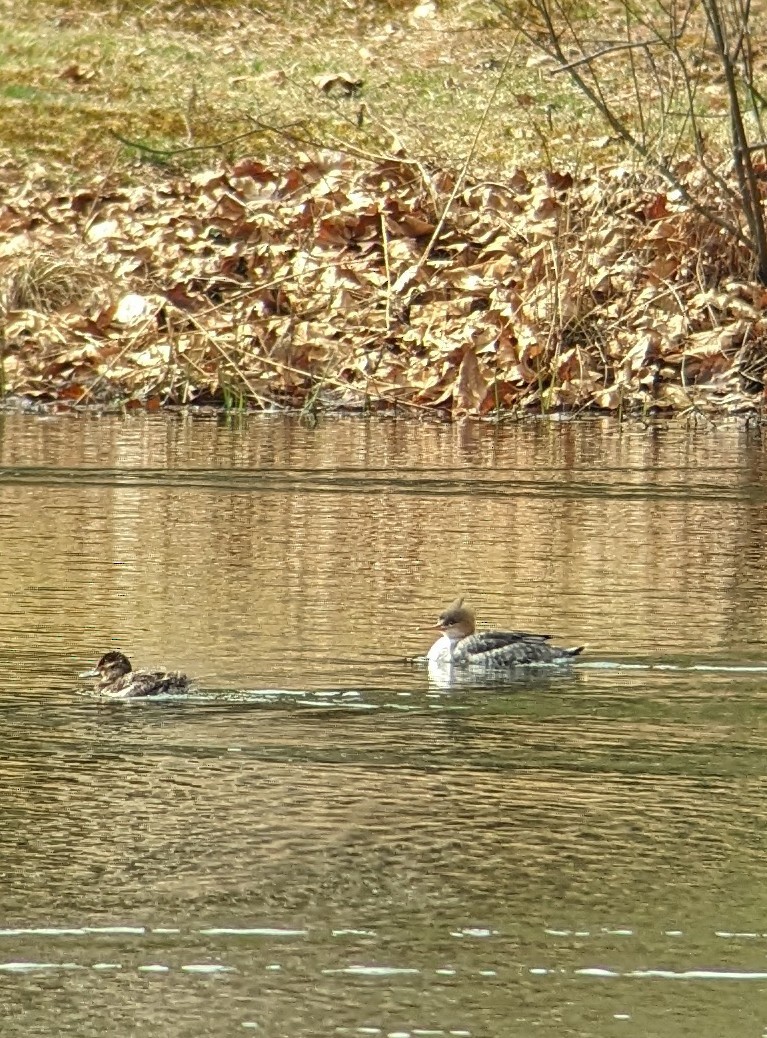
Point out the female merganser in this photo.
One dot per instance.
(119, 681)
(459, 646)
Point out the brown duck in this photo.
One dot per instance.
(118, 680)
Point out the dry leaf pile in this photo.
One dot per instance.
(343, 282)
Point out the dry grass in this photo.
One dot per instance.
(478, 292)
(181, 75)
(45, 282)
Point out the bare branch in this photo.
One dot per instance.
(612, 49)
(673, 57)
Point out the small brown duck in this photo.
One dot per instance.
(118, 680)
(459, 646)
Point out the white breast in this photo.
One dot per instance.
(441, 651)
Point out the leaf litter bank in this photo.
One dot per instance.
(339, 282)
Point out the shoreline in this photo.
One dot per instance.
(19, 406)
(340, 284)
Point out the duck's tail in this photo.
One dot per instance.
(575, 651)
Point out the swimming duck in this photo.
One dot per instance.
(459, 646)
(118, 680)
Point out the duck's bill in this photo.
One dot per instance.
(89, 674)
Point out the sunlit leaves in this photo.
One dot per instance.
(322, 281)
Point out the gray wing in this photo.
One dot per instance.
(509, 649)
(488, 641)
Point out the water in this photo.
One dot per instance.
(318, 841)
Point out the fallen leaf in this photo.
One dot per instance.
(338, 83)
(471, 384)
(77, 73)
(98, 232)
(132, 308)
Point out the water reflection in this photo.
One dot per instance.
(321, 840)
(269, 541)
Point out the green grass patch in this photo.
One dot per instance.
(180, 74)
(17, 92)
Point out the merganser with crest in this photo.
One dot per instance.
(459, 646)
(118, 680)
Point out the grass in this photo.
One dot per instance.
(105, 91)
(44, 281)
(187, 74)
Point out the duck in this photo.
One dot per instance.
(118, 680)
(459, 646)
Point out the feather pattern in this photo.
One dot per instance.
(117, 679)
(509, 649)
(460, 646)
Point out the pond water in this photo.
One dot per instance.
(318, 841)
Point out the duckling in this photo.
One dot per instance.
(459, 646)
(118, 680)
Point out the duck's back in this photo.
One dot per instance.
(146, 683)
(509, 649)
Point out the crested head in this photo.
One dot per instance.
(457, 621)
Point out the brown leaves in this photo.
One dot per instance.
(340, 84)
(281, 284)
(471, 385)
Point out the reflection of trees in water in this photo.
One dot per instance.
(355, 534)
(591, 800)
(744, 593)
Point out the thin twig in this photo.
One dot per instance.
(140, 146)
(387, 268)
(612, 49)
(462, 172)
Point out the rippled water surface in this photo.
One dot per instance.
(318, 841)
